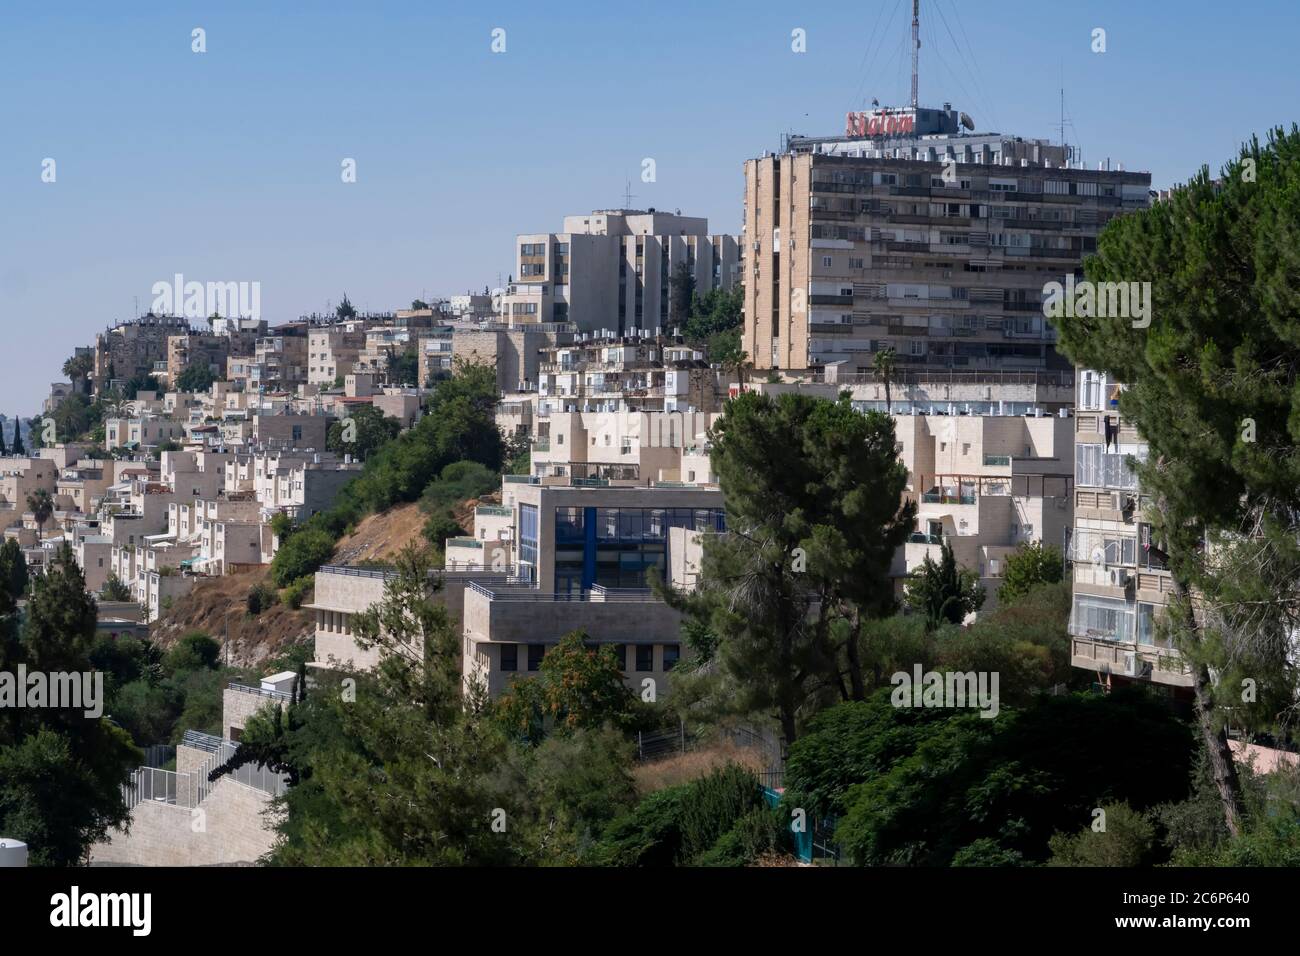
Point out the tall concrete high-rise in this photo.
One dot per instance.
(912, 232)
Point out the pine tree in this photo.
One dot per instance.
(1213, 386)
(18, 448)
(810, 537)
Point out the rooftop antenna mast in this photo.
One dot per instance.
(627, 195)
(916, 46)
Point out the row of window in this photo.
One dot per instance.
(534, 653)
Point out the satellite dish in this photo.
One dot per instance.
(967, 121)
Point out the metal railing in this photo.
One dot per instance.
(353, 572)
(188, 790)
(201, 741)
(280, 695)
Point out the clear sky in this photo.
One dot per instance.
(225, 165)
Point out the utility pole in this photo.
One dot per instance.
(916, 47)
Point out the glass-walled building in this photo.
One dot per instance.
(574, 538)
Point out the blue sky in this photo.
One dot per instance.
(225, 166)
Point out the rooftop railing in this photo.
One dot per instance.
(279, 695)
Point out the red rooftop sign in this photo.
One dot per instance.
(879, 124)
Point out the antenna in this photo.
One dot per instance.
(627, 195)
(916, 46)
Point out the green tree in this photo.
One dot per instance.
(884, 363)
(42, 507)
(810, 537)
(1127, 839)
(681, 293)
(13, 574)
(404, 367)
(78, 369)
(196, 378)
(1030, 565)
(578, 687)
(60, 771)
(344, 309)
(412, 628)
(115, 589)
(942, 591)
(918, 786)
(140, 383)
(18, 451)
(1212, 386)
(419, 305)
(304, 553)
(368, 427)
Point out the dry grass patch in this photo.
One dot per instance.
(692, 765)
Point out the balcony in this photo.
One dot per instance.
(1160, 665)
(939, 498)
(920, 537)
(997, 461)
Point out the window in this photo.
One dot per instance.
(672, 653)
(1103, 618)
(620, 655)
(1092, 385)
(535, 654)
(510, 657)
(645, 657)
(826, 262)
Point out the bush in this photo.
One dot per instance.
(296, 593)
(1128, 840)
(195, 651)
(303, 554)
(686, 825)
(261, 598)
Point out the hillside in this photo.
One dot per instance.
(218, 606)
(380, 537)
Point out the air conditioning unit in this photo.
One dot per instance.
(1119, 577)
(1130, 663)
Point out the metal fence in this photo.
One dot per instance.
(159, 755)
(188, 790)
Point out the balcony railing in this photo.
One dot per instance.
(920, 537)
(937, 498)
(261, 691)
(997, 461)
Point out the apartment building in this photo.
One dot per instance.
(20, 477)
(1121, 581)
(913, 233)
(134, 348)
(331, 354)
(304, 432)
(609, 373)
(516, 353)
(144, 432)
(624, 446)
(194, 349)
(984, 485)
(611, 269)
